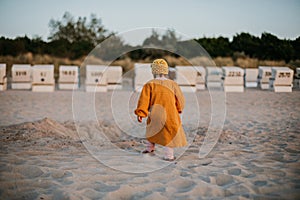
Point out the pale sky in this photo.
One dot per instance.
(211, 18)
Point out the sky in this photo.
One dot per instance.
(192, 18)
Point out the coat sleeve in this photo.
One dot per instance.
(180, 101)
(142, 109)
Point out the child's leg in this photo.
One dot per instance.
(149, 148)
(169, 153)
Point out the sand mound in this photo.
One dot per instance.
(50, 133)
(45, 132)
(50, 127)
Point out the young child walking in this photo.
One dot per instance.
(161, 100)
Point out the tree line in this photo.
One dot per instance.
(71, 38)
(265, 47)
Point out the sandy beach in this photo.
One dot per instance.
(62, 145)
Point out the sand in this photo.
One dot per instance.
(46, 154)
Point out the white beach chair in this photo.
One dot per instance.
(114, 77)
(213, 77)
(96, 78)
(142, 74)
(186, 78)
(68, 77)
(43, 78)
(296, 82)
(264, 75)
(3, 78)
(21, 77)
(251, 76)
(201, 77)
(233, 79)
(282, 79)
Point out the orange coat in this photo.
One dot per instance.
(162, 101)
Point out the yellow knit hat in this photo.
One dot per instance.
(159, 66)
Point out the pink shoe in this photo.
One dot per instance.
(169, 159)
(146, 151)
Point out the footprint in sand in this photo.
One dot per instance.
(29, 171)
(182, 185)
(235, 171)
(260, 183)
(222, 179)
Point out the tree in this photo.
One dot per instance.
(249, 44)
(170, 40)
(153, 40)
(110, 49)
(156, 44)
(275, 49)
(79, 37)
(77, 31)
(216, 46)
(296, 47)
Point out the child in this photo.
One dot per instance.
(161, 100)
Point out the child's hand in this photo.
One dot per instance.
(140, 119)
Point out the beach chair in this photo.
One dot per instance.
(21, 77)
(96, 78)
(264, 75)
(3, 78)
(186, 78)
(233, 79)
(281, 79)
(68, 77)
(114, 77)
(250, 80)
(213, 77)
(43, 78)
(142, 74)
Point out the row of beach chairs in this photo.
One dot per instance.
(229, 79)
(40, 78)
(100, 78)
